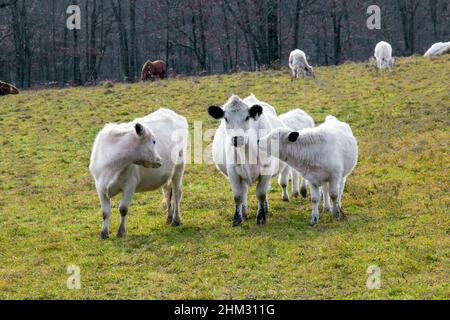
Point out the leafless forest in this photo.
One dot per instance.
(201, 36)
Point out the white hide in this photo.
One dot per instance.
(438, 49)
(123, 161)
(235, 151)
(383, 56)
(324, 155)
(294, 120)
(299, 65)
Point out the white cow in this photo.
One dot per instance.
(299, 65)
(251, 100)
(294, 120)
(139, 156)
(235, 152)
(383, 56)
(438, 49)
(324, 155)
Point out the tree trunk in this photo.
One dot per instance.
(337, 27)
(297, 24)
(133, 41)
(76, 56)
(124, 52)
(227, 37)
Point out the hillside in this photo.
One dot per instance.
(397, 199)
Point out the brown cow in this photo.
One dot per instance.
(7, 88)
(153, 68)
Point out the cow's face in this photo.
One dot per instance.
(274, 144)
(237, 116)
(309, 71)
(391, 63)
(146, 153)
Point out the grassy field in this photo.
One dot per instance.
(397, 200)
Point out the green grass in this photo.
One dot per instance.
(397, 199)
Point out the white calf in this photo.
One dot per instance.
(140, 156)
(294, 120)
(235, 152)
(324, 155)
(383, 55)
(299, 65)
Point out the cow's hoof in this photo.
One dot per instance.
(237, 222)
(340, 215)
(104, 235)
(314, 220)
(169, 220)
(295, 194)
(286, 199)
(120, 233)
(261, 221)
(176, 223)
(304, 192)
(244, 216)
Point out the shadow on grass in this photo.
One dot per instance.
(281, 227)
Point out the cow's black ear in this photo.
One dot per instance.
(293, 136)
(256, 111)
(139, 129)
(216, 112)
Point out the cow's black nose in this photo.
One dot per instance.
(235, 141)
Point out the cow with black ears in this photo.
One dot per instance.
(235, 152)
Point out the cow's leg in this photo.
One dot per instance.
(326, 197)
(177, 181)
(162, 75)
(106, 210)
(304, 188)
(335, 185)
(167, 189)
(263, 204)
(123, 209)
(244, 201)
(341, 191)
(294, 177)
(238, 191)
(283, 181)
(315, 199)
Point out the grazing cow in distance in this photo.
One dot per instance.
(153, 69)
(235, 152)
(299, 65)
(324, 155)
(438, 49)
(7, 88)
(139, 156)
(383, 56)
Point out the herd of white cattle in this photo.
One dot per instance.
(252, 145)
(383, 58)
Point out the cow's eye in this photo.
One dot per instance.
(248, 118)
(226, 120)
(154, 141)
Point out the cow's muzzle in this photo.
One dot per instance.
(237, 141)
